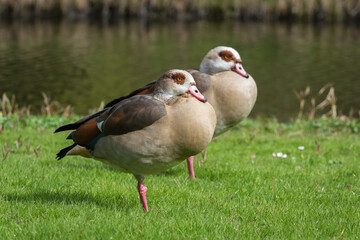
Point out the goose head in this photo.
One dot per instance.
(177, 83)
(222, 59)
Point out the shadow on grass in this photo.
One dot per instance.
(172, 172)
(88, 164)
(70, 198)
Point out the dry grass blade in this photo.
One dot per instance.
(47, 104)
(67, 111)
(17, 220)
(322, 90)
(3, 105)
(2, 128)
(28, 111)
(24, 111)
(5, 152)
(330, 100)
(317, 145)
(19, 142)
(313, 109)
(301, 96)
(7, 104)
(37, 151)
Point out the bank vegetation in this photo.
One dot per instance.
(329, 11)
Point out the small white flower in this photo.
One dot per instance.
(284, 156)
(301, 148)
(279, 154)
(253, 156)
(274, 154)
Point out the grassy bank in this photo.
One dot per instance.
(241, 190)
(270, 10)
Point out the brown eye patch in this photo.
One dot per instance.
(179, 78)
(226, 56)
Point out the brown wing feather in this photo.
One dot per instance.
(129, 115)
(86, 132)
(147, 89)
(80, 122)
(132, 114)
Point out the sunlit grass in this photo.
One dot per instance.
(241, 190)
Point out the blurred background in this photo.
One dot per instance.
(82, 52)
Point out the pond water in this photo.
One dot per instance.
(83, 64)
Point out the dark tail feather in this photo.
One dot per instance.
(71, 135)
(64, 151)
(70, 126)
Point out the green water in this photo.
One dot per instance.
(83, 64)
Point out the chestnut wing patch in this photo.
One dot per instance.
(203, 81)
(86, 132)
(147, 89)
(82, 121)
(132, 114)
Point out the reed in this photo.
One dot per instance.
(49, 108)
(247, 10)
(322, 103)
(327, 106)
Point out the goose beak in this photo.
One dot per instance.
(239, 69)
(196, 93)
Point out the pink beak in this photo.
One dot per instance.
(196, 93)
(239, 69)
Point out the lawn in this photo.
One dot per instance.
(241, 190)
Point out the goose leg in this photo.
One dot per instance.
(142, 193)
(190, 165)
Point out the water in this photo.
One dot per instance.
(83, 64)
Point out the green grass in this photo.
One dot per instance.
(236, 194)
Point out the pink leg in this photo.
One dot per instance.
(190, 165)
(142, 192)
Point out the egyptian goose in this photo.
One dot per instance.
(228, 87)
(146, 134)
(224, 82)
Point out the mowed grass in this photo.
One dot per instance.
(241, 190)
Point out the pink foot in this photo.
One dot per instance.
(142, 192)
(190, 165)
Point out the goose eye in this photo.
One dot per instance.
(179, 78)
(226, 55)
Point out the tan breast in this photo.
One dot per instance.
(192, 125)
(232, 97)
(186, 130)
